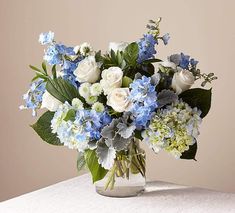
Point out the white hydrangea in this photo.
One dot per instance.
(84, 90)
(173, 129)
(59, 116)
(96, 89)
(68, 133)
(98, 107)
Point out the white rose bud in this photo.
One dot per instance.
(117, 46)
(168, 64)
(182, 80)
(111, 79)
(50, 102)
(87, 70)
(118, 99)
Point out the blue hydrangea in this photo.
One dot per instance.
(33, 98)
(92, 122)
(166, 38)
(144, 99)
(46, 38)
(146, 47)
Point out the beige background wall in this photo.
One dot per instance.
(203, 29)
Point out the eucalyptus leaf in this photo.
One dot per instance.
(43, 128)
(126, 131)
(166, 97)
(106, 154)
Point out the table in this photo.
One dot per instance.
(77, 195)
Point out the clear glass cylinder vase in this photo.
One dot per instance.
(127, 176)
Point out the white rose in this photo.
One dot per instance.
(111, 79)
(50, 102)
(117, 46)
(87, 70)
(182, 80)
(118, 99)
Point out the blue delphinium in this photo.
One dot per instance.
(55, 53)
(183, 61)
(33, 98)
(64, 50)
(146, 47)
(68, 68)
(166, 38)
(46, 38)
(144, 99)
(52, 55)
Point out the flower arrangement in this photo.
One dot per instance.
(103, 104)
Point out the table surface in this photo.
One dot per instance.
(77, 195)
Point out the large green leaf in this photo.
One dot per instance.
(80, 161)
(191, 153)
(43, 128)
(97, 171)
(131, 54)
(200, 98)
(62, 90)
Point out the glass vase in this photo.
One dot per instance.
(127, 176)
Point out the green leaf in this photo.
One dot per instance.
(43, 128)
(191, 153)
(138, 134)
(62, 90)
(80, 161)
(35, 69)
(98, 56)
(197, 97)
(44, 67)
(97, 171)
(53, 71)
(126, 81)
(153, 60)
(70, 115)
(131, 54)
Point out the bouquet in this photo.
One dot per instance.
(105, 105)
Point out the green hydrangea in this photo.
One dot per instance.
(173, 129)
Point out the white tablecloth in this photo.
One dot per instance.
(77, 195)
